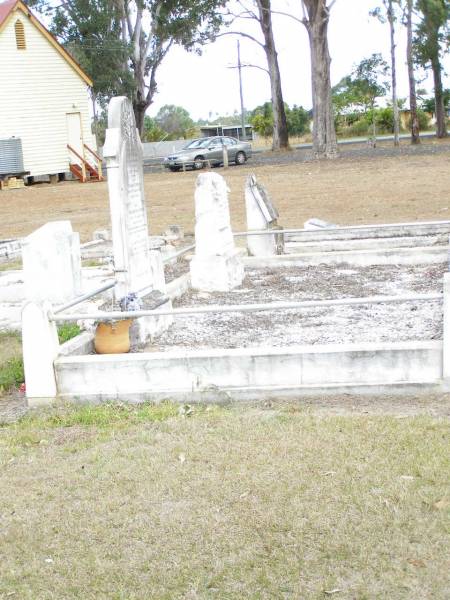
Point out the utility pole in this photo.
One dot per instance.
(244, 136)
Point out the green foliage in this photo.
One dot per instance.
(432, 33)
(101, 34)
(91, 32)
(367, 82)
(262, 125)
(68, 331)
(424, 120)
(385, 119)
(429, 104)
(297, 119)
(175, 121)
(152, 133)
(11, 373)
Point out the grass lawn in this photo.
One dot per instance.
(238, 502)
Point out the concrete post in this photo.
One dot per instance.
(225, 156)
(40, 347)
(446, 338)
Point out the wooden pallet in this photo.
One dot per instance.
(12, 183)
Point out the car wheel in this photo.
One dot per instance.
(174, 169)
(199, 163)
(240, 158)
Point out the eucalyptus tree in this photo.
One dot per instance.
(145, 29)
(316, 16)
(415, 132)
(260, 11)
(431, 41)
(384, 13)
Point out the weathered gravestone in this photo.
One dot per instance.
(261, 215)
(216, 265)
(138, 269)
(52, 263)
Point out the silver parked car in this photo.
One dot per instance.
(203, 151)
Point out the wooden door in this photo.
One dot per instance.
(75, 135)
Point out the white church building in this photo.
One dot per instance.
(45, 122)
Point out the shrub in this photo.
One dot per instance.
(11, 373)
(358, 128)
(424, 120)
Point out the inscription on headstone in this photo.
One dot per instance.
(123, 155)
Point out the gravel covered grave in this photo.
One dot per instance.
(351, 324)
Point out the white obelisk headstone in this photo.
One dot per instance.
(123, 155)
(138, 269)
(216, 265)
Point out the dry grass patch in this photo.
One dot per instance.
(346, 191)
(126, 503)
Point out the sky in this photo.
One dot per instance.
(207, 86)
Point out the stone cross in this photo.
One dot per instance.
(261, 215)
(52, 263)
(216, 265)
(124, 160)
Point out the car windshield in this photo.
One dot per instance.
(198, 143)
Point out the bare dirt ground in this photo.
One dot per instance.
(363, 186)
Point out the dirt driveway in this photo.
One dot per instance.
(362, 186)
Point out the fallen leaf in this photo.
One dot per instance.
(329, 473)
(329, 592)
(407, 477)
(182, 457)
(416, 562)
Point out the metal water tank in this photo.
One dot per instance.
(11, 156)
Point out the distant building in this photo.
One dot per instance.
(45, 123)
(229, 130)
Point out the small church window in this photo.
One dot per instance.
(20, 35)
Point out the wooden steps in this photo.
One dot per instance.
(84, 170)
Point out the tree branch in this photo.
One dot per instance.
(251, 66)
(246, 35)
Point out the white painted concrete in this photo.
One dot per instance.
(372, 231)
(177, 374)
(366, 244)
(40, 347)
(314, 224)
(52, 263)
(446, 342)
(261, 214)
(216, 265)
(363, 258)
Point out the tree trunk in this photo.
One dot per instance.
(390, 14)
(415, 136)
(441, 125)
(324, 132)
(280, 130)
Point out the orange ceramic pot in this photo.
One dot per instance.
(113, 338)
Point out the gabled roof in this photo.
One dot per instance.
(6, 10)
